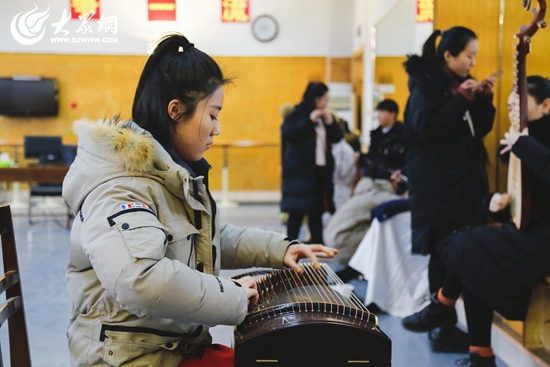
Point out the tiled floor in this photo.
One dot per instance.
(43, 254)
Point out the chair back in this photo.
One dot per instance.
(12, 309)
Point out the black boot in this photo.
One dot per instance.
(448, 339)
(475, 360)
(432, 316)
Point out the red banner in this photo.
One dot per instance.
(161, 9)
(236, 11)
(85, 9)
(424, 11)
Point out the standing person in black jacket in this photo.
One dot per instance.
(307, 134)
(497, 268)
(446, 118)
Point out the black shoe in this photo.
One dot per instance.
(475, 360)
(432, 316)
(347, 274)
(448, 339)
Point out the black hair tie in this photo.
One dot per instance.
(188, 46)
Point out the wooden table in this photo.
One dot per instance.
(44, 174)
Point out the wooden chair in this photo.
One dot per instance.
(536, 331)
(12, 309)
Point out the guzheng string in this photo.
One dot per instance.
(315, 290)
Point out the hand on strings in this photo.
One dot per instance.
(301, 251)
(510, 139)
(250, 287)
(499, 202)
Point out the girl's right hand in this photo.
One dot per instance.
(315, 114)
(250, 287)
(499, 202)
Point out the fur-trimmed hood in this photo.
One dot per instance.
(111, 148)
(119, 141)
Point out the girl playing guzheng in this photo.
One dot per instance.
(498, 267)
(147, 244)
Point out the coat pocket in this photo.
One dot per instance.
(181, 241)
(144, 235)
(129, 348)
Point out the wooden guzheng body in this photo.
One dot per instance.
(309, 320)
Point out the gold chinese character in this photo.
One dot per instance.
(235, 11)
(85, 6)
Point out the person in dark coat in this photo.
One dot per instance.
(388, 148)
(447, 115)
(307, 135)
(498, 267)
(380, 182)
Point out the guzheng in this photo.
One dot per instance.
(311, 319)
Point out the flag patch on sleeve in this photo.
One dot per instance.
(129, 206)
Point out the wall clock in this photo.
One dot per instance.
(265, 28)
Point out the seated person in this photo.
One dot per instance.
(380, 179)
(147, 244)
(498, 267)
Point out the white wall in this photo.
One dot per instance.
(304, 28)
(398, 33)
(385, 28)
(340, 28)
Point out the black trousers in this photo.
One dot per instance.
(479, 316)
(437, 272)
(322, 202)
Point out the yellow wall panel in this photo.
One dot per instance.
(340, 70)
(97, 86)
(390, 70)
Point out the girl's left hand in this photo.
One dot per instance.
(313, 252)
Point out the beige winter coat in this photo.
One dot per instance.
(143, 229)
